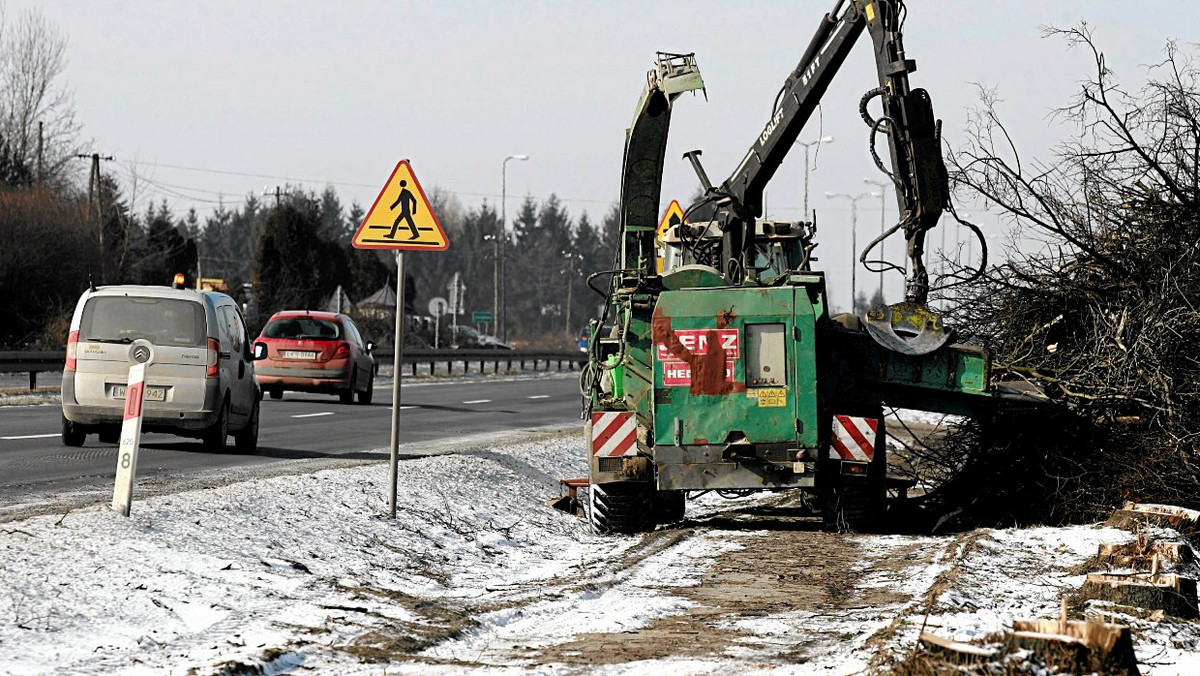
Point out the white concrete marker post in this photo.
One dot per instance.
(131, 439)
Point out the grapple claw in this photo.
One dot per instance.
(908, 328)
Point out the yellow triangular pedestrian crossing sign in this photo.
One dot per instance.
(401, 217)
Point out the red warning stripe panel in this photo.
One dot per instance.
(133, 399)
(614, 433)
(854, 437)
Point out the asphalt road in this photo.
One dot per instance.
(301, 432)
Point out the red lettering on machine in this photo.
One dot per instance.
(678, 373)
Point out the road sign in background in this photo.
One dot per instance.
(481, 317)
(672, 217)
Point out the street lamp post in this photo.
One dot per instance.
(958, 230)
(853, 239)
(882, 223)
(495, 239)
(500, 253)
(807, 146)
(970, 239)
(571, 258)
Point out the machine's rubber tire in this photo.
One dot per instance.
(71, 434)
(276, 392)
(623, 507)
(854, 507)
(368, 394)
(216, 437)
(347, 396)
(246, 440)
(669, 506)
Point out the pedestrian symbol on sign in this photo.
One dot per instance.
(408, 206)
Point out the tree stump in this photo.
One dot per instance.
(1173, 594)
(957, 652)
(1131, 516)
(1078, 646)
(1139, 555)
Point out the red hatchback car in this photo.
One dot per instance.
(315, 352)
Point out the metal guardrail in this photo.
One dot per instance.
(454, 361)
(32, 362)
(535, 359)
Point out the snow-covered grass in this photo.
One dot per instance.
(308, 574)
(24, 397)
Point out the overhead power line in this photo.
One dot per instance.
(273, 177)
(295, 179)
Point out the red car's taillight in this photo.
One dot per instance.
(72, 344)
(342, 351)
(214, 359)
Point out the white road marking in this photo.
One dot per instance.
(313, 415)
(31, 436)
(540, 396)
(478, 401)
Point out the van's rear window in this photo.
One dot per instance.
(162, 321)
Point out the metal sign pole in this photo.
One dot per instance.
(396, 361)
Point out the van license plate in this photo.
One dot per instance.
(152, 393)
(298, 354)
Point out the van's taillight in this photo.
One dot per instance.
(342, 351)
(214, 359)
(72, 344)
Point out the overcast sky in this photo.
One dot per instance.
(210, 101)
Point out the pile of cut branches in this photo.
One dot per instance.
(1098, 303)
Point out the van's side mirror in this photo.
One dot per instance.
(370, 347)
(260, 351)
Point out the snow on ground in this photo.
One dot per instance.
(307, 574)
(912, 415)
(279, 570)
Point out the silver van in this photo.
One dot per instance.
(200, 378)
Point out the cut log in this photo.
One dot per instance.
(1173, 594)
(1132, 515)
(1078, 646)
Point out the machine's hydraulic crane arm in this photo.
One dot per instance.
(908, 115)
(918, 171)
(801, 93)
